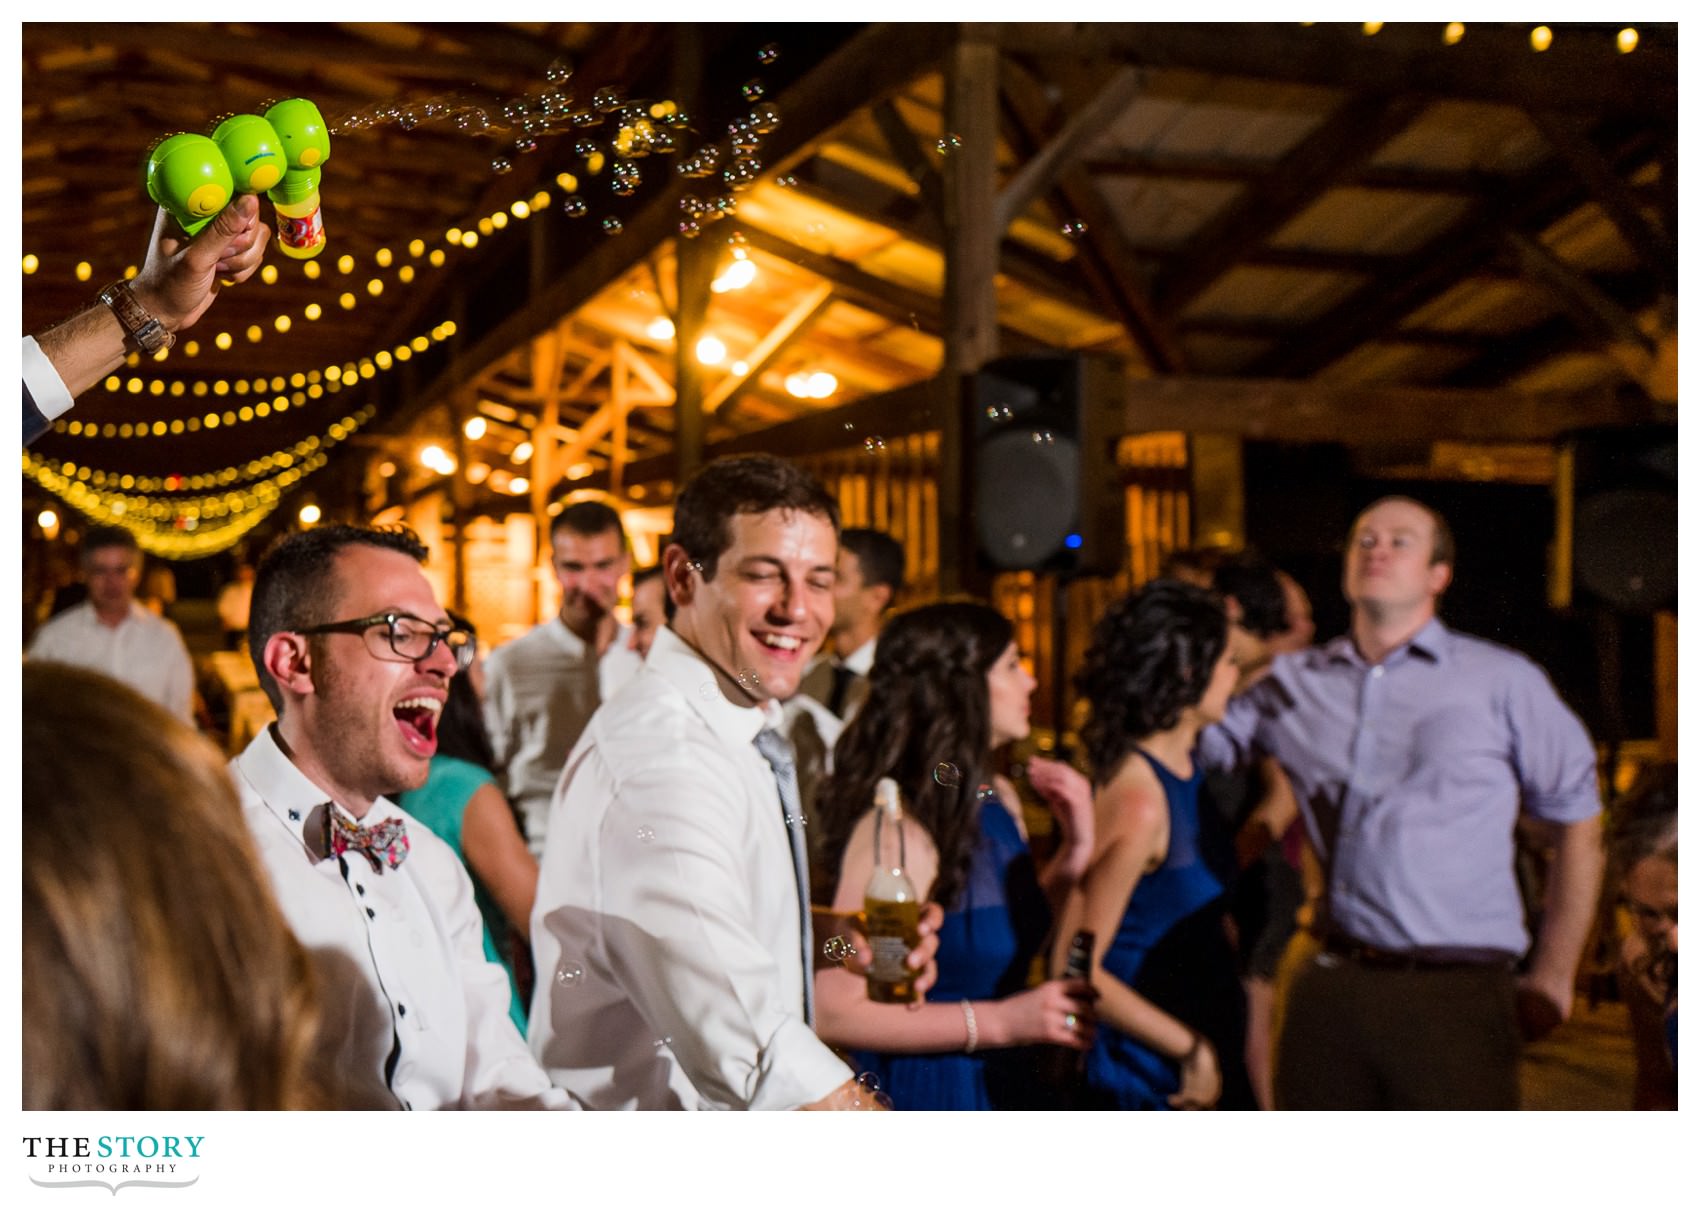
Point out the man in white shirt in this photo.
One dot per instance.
(671, 927)
(356, 656)
(114, 634)
(541, 688)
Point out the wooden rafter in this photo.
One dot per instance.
(794, 323)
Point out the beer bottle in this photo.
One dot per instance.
(890, 908)
(1063, 1068)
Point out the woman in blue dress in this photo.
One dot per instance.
(1170, 1006)
(461, 803)
(947, 689)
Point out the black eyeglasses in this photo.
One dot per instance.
(412, 639)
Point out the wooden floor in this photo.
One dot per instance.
(1586, 1065)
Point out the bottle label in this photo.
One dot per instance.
(305, 232)
(893, 932)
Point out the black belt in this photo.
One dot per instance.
(1421, 959)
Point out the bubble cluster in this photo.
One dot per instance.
(626, 177)
(612, 226)
(873, 444)
(768, 55)
(645, 834)
(837, 949)
(947, 775)
(1074, 229)
(501, 164)
(948, 143)
(569, 974)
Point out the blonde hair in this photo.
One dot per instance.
(158, 972)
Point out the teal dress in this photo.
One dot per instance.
(441, 804)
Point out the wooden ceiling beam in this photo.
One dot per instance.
(906, 150)
(1349, 136)
(792, 325)
(1582, 71)
(1593, 310)
(1105, 260)
(1040, 173)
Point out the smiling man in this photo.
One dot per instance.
(544, 686)
(671, 929)
(356, 656)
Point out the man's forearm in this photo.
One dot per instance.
(1573, 891)
(86, 348)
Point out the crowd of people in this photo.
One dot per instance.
(621, 866)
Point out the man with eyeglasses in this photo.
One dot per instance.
(356, 656)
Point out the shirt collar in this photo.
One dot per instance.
(693, 677)
(293, 798)
(1432, 642)
(862, 660)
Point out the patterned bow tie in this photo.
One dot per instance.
(385, 842)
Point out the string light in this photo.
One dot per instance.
(1540, 37)
(1627, 40)
(1454, 33)
(1372, 28)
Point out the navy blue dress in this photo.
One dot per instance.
(986, 950)
(1170, 948)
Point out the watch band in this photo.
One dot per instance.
(142, 328)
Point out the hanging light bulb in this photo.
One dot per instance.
(475, 428)
(1627, 40)
(711, 351)
(1540, 37)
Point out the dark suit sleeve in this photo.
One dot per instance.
(34, 423)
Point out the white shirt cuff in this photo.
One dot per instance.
(47, 389)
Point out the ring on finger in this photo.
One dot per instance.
(1070, 1021)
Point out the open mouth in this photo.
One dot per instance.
(786, 647)
(417, 719)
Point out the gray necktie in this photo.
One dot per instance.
(777, 750)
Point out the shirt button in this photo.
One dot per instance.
(1376, 672)
(401, 1009)
(360, 888)
(370, 912)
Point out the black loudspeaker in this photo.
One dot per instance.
(1045, 493)
(1617, 501)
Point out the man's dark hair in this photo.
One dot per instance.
(588, 518)
(99, 538)
(653, 572)
(1254, 583)
(292, 587)
(878, 555)
(702, 516)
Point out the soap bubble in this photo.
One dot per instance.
(645, 833)
(559, 71)
(706, 691)
(868, 1081)
(749, 680)
(838, 949)
(513, 111)
(948, 143)
(612, 226)
(768, 54)
(874, 445)
(666, 1041)
(472, 120)
(606, 100)
(947, 775)
(690, 229)
(724, 205)
(525, 146)
(692, 205)
(998, 412)
(796, 820)
(575, 207)
(741, 173)
(662, 142)
(741, 135)
(708, 155)
(764, 118)
(569, 974)
(1074, 229)
(625, 178)
(585, 117)
(753, 90)
(586, 148)
(501, 164)
(1044, 437)
(788, 181)
(409, 120)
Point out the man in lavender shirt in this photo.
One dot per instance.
(1412, 748)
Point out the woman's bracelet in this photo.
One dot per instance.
(973, 1027)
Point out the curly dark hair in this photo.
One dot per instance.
(1151, 658)
(928, 705)
(294, 585)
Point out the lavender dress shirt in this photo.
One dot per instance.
(1410, 775)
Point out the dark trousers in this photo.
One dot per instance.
(1355, 1037)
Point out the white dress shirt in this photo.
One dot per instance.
(145, 652)
(666, 932)
(52, 398)
(540, 690)
(410, 1001)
